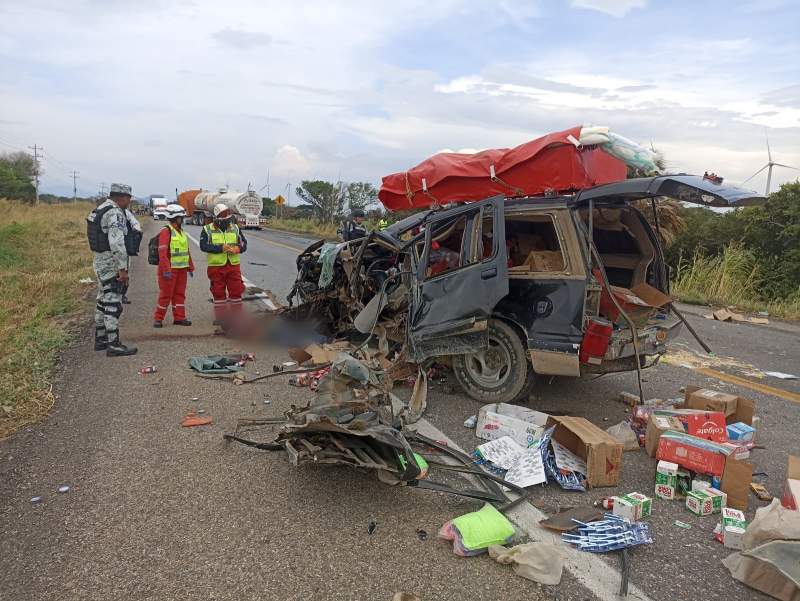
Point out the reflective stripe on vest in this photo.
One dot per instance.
(178, 249)
(217, 237)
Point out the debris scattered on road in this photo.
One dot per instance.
(567, 520)
(195, 399)
(63, 488)
(471, 422)
(791, 490)
(780, 375)
(623, 433)
(217, 364)
(525, 426)
(610, 534)
(760, 491)
(192, 419)
(86, 281)
(422, 535)
(473, 533)
(540, 562)
(726, 315)
(683, 525)
(372, 526)
(150, 369)
(633, 507)
(35, 500)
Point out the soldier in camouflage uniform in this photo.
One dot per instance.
(111, 268)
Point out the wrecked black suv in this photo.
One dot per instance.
(510, 288)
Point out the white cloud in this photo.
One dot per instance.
(615, 8)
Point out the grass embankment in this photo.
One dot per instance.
(311, 227)
(43, 254)
(305, 226)
(732, 278)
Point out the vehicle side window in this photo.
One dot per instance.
(451, 247)
(533, 244)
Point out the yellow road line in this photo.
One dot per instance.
(763, 388)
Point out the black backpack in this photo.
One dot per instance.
(152, 250)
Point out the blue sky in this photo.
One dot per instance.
(164, 94)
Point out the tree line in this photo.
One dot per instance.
(17, 170)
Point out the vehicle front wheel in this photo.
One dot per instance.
(500, 373)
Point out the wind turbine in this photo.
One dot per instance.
(770, 164)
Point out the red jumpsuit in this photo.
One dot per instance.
(171, 291)
(226, 282)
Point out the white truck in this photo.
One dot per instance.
(246, 207)
(158, 206)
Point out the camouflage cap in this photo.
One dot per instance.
(120, 189)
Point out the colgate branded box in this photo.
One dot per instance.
(708, 426)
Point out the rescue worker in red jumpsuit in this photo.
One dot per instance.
(224, 242)
(174, 265)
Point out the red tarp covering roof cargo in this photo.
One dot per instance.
(551, 162)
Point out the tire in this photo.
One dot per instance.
(501, 374)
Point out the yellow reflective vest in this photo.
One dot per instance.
(218, 237)
(178, 249)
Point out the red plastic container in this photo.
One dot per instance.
(595, 340)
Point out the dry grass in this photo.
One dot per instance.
(305, 226)
(730, 279)
(43, 254)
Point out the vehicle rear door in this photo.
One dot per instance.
(450, 308)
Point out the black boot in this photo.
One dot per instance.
(182, 322)
(117, 349)
(100, 343)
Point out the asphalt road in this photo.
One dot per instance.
(157, 511)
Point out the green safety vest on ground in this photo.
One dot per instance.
(218, 237)
(178, 249)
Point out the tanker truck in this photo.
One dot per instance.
(246, 206)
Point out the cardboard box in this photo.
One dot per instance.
(657, 425)
(633, 506)
(741, 432)
(719, 499)
(732, 527)
(710, 458)
(709, 425)
(501, 419)
(601, 452)
(666, 480)
(735, 408)
(791, 491)
(699, 502)
(639, 309)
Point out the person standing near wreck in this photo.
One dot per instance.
(107, 230)
(224, 242)
(174, 266)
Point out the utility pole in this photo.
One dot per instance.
(75, 175)
(36, 150)
(102, 190)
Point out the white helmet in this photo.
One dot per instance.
(175, 210)
(220, 208)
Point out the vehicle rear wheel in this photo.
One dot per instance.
(500, 373)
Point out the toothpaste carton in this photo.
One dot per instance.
(732, 527)
(633, 506)
(701, 482)
(741, 432)
(699, 502)
(719, 499)
(666, 480)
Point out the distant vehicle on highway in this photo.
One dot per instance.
(246, 206)
(158, 206)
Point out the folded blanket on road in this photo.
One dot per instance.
(215, 364)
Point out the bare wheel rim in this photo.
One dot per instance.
(490, 367)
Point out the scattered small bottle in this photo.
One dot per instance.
(150, 369)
